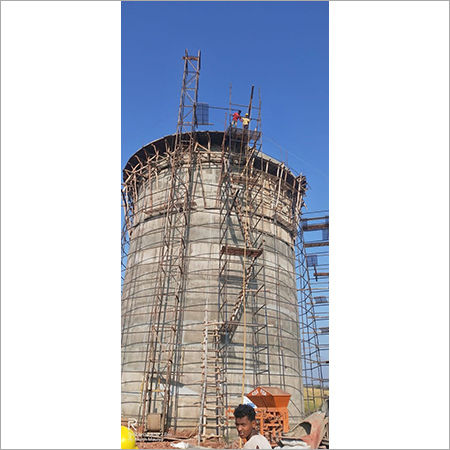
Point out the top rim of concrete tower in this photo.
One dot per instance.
(203, 137)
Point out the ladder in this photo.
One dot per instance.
(212, 408)
(164, 334)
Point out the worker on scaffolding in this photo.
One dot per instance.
(236, 117)
(245, 421)
(245, 121)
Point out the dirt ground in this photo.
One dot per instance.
(192, 442)
(163, 444)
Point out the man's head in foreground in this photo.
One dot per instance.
(245, 421)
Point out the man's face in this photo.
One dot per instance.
(244, 427)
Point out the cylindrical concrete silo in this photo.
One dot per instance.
(269, 338)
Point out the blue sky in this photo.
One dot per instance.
(279, 47)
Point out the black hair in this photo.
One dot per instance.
(239, 111)
(244, 410)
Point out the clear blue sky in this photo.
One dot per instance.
(280, 47)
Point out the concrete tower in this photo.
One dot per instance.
(182, 331)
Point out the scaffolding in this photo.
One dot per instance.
(271, 351)
(313, 283)
(162, 355)
(240, 249)
(209, 292)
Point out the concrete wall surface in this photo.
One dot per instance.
(268, 331)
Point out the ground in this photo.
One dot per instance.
(192, 443)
